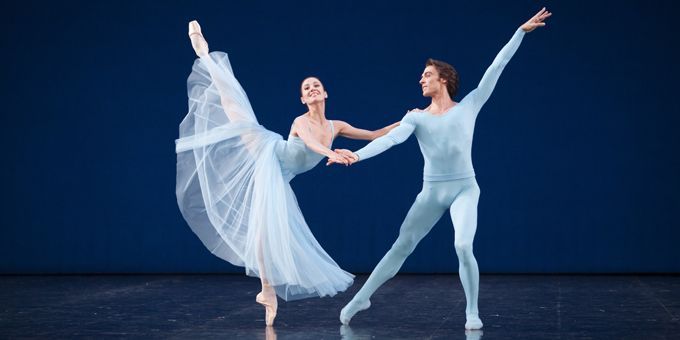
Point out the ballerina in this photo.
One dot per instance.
(233, 181)
(444, 131)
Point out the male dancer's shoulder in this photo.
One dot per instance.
(471, 102)
(411, 117)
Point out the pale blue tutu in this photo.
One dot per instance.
(233, 190)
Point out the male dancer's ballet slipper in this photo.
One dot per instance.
(473, 322)
(197, 41)
(270, 304)
(353, 307)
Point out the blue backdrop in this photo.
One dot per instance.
(576, 152)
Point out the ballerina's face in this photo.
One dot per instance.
(312, 91)
(431, 83)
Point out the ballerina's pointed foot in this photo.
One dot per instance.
(194, 27)
(473, 322)
(270, 303)
(197, 40)
(351, 309)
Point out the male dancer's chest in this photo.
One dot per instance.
(445, 131)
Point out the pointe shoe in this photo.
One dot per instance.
(197, 40)
(270, 305)
(473, 322)
(352, 308)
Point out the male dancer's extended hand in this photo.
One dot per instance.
(536, 21)
(340, 158)
(350, 156)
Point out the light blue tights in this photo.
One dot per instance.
(460, 197)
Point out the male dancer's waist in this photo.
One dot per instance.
(447, 176)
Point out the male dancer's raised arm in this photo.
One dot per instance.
(481, 94)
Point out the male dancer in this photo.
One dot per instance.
(444, 131)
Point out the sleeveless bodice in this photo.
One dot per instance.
(295, 157)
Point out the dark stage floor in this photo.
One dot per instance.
(407, 307)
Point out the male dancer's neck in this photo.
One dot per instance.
(441, 102)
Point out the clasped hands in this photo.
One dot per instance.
(342, 156)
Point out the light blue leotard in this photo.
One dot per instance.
(295, 157)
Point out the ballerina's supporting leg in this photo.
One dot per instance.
(267, 297)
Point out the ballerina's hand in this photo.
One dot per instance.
(349, 155)
(536, 21)
(337, 158)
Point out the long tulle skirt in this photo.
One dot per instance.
(231, 191)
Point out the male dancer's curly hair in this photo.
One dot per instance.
(448, 73)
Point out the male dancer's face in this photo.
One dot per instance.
(430, 82)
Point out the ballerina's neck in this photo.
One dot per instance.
(317, 112)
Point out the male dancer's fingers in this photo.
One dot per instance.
(541, 11)
(352, 155)
(538, 15)
(344, 152)
(343, 160)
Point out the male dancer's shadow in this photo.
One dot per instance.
(347, 333)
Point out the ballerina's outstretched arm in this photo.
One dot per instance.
(348, 131)
(302, 130)
(397, 135)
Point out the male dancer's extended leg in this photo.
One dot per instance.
(464, 217)
(423, 215)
